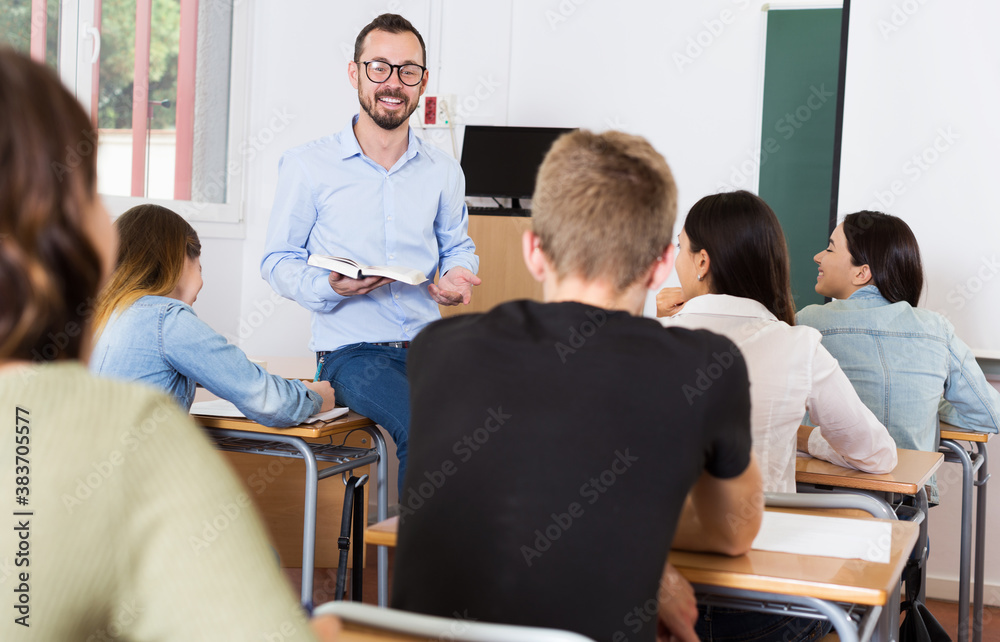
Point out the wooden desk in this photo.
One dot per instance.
(246, 436)
(911, 473)
(347, 423)
(783, 576)
(974, 464)
(354, 632)
(383, 533)
(961, 434)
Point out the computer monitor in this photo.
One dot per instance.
(502, 161)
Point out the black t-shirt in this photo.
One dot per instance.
(551, 449)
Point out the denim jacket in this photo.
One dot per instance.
(161, 342)
(902, 360)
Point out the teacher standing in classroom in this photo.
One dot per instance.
(375, 193)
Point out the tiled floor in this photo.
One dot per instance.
(325, 581)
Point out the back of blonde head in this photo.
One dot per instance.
(604, 206)
(153, 243)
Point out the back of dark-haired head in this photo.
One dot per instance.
(49, 268)
(390, 23)
(887, 245)
(747, 253)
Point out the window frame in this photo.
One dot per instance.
(76, 50)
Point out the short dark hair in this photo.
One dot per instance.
(748, 255)
(887, 245)
(391, 23)
(50, 270)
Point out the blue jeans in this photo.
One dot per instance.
(725, 624)
(371, 380)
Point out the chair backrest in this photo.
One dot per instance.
(441, 628)
(841, 498)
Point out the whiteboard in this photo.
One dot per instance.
(921, 140)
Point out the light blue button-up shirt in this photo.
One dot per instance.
(332, 199)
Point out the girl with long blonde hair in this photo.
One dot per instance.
(148, 331)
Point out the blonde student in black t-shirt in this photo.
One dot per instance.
(549, 492)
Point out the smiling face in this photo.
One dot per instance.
(388, 104)
(838, 277)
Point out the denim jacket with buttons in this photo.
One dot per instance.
(161, 342)
(902, 361)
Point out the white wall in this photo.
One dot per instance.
(920, 141)
(685, 75)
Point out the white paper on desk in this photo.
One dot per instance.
(223, 408)
(846, 538)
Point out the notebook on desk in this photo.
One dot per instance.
(223, 408)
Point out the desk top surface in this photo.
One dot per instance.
(961, 434)
(290, 367)
(827, 578)
(350, 421)
(912, 471)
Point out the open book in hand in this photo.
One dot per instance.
(355, 270)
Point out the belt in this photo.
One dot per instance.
(392, 344)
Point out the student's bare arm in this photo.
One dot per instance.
(722, 515)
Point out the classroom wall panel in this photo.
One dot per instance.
(920, 141)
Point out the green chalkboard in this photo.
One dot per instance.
(801, 66)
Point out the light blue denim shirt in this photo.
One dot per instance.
(332, 199)
(902, 360)
(160, 341)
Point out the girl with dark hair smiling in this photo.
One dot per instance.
(733, 267)
(901, 359)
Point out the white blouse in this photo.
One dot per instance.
(790, 373)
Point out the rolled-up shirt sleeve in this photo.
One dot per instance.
(284, 264)
(451, 227)
(197, 351)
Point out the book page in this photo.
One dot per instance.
(869, 540)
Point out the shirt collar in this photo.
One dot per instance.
(351, 146)
(867, 292)
(726, 305)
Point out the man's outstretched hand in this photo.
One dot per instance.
(454, 287)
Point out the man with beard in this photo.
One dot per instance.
(375, 193)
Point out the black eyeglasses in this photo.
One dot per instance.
(379, 71)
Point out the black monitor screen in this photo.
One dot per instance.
(502, 161)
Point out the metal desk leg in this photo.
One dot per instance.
(382, 489)
(922, 505)
(962, 456)
(981, 478)
(308, 523)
